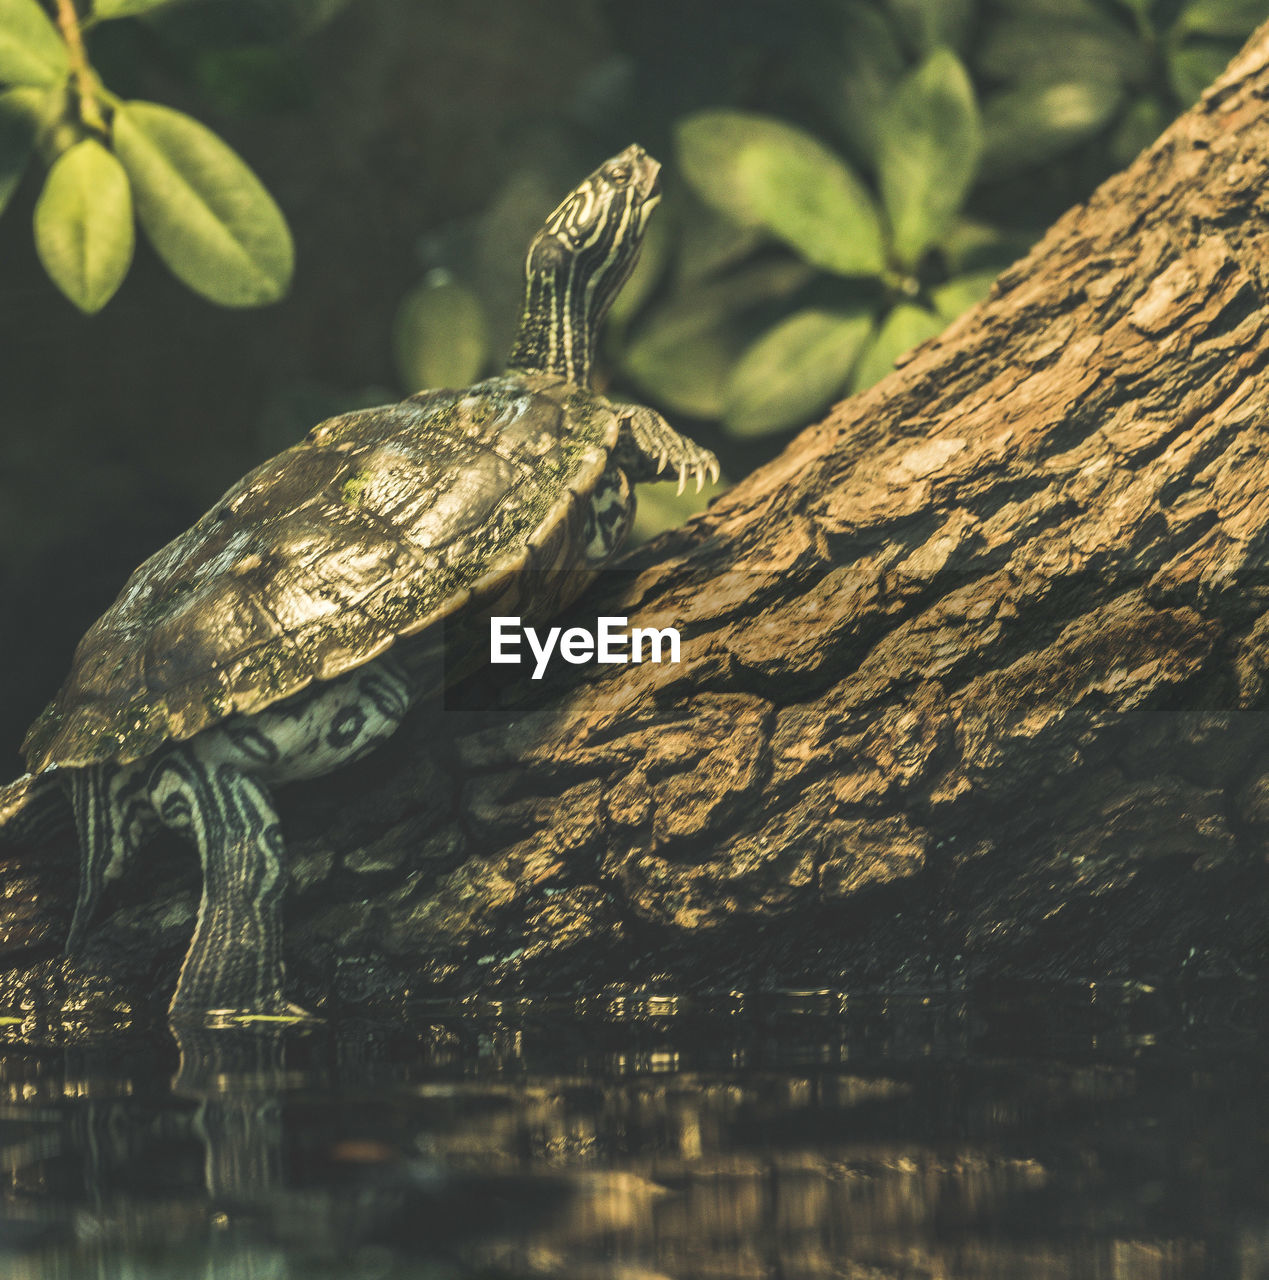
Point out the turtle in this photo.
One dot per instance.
(279, 637)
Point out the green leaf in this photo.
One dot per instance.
(83, 225)
(125, 8)
(932, 24)
(683, 354)
(207, 214)
(308, 16)
(903, 329)
(852, 74)
(682, 361)
(760, 172)
(1193, 67)
(1142, 8)
(439, 336)
(794, 370)
(31, 51)
(1081, 10)
(1138, 127)
(1030, 49)
(1032, 123)
(659, 508)
(708, 242)
(929, 147)
(960, 293)
(854, 81)
(18, 123)
(1234, 19)
(974, 247)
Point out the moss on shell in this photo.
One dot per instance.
(351, 490)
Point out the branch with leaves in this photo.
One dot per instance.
(839, 188)
(944, 112)
(113, 164)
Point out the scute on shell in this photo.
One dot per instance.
(379, 525)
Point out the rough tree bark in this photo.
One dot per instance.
(975, 678)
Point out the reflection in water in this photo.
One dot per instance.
(1034, 1133)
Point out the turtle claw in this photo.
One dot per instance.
(701, 469)
(658, 449)
(706, 471)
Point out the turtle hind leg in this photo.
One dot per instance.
(90, 801)
(108, 829)
(648, 447)
(234, 961)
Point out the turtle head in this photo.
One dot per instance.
(576, 264)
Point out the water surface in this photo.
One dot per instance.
(1084, 1132)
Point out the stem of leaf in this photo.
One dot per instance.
(89, 108)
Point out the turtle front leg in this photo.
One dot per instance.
(648, 446)
(234, 961)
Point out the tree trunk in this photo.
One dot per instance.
(974, 678)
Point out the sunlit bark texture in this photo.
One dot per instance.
(975, 678)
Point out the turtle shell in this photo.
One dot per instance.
(380, 524)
